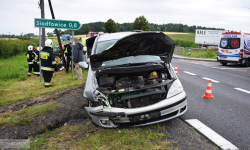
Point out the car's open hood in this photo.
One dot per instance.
(142, 43)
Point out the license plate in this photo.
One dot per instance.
(223, 58)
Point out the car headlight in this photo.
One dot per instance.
(175, 88)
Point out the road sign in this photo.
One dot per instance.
(58, 24)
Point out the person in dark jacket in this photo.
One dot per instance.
(48, 63)
(38, 60)
(68, 53)
(36, 70)
(30, 58)
(78, 57)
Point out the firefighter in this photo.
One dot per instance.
(68, 52)
(37, 60)
(35, 69)
(30, 58)
(48, 63)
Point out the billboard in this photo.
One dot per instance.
(211, 37)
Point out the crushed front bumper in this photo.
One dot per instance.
(122, 117)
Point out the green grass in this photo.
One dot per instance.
(195, 53)
(14, 91)
(185, 37)
(55, 42)
(16, 67)
(26, 116)
(92, 137)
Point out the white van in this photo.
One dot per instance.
(234, 47)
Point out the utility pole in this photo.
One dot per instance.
(42, 16)
(57, 34)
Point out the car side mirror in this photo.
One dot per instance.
(83, 65)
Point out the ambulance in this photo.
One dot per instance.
(234, 47)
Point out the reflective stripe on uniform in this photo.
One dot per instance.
(28, 56)
(47, 68)
(38, 62)
(30, 62)
(44, 55)
(29, 73)
(53, 62)
(47, 83)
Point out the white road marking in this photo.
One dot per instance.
(189, 73)
(215, 67)
(211, 79)
(242, 90)
(231, 68)
(212, 135)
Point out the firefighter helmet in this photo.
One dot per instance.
(38, 49)
(35, 48)
(63, 48)
(30, 48)
(48, 43)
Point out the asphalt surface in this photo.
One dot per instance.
(228, 113)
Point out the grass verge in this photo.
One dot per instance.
(185, 37)
(13, 91)
(25, 116)
(90, 136)
(212, 54)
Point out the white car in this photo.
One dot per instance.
(131, 82)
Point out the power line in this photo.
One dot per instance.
(234, 4)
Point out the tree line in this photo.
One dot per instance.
(122, 27)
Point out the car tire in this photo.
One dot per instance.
(247, 63)
(224, 64)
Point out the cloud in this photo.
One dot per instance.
(18, 16)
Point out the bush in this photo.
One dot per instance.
(10, 48)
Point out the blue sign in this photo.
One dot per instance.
(223, 43)
(230, 36)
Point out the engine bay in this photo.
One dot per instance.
(133, 90)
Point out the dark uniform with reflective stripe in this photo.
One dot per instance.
(36, 63)
(30, 58)
(68, 54)
(48, 65)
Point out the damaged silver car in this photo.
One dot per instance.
(131, 82)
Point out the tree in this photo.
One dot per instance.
(59, 31)
(141, 23)
(110, 26)
(86, 30)
(29, 35)
(50, 34)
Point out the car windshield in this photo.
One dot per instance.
(230, 43)
(101, 46)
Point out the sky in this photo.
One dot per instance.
(17, 16)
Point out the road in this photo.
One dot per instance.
(228, 113)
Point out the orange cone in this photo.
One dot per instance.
(176, 70)
(208, 93)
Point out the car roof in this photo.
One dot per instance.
(113, 36)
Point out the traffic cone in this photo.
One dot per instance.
(176, 70)
(208, 93)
